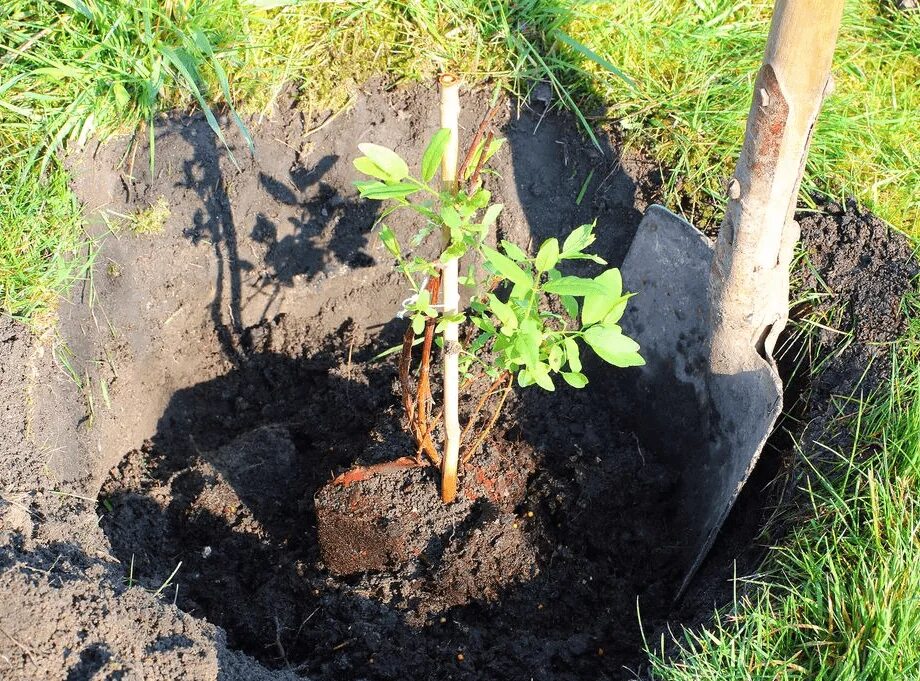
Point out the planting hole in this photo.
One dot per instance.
(238, 353)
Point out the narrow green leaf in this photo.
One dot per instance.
(493, 148)
(202, 43)
(179, 60)
(491, 215)
(504, 314)
(574, 286)
(595, 57)
(507, 268)
(548, 255)
(584, 188)
(578, 240)
(386, 159)
(572, 354)
(78, 6)
(514, 251)
(381, 191)
(433, 153)
(389, 241)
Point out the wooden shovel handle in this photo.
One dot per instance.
(750, 276)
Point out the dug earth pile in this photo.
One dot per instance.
(164, 447)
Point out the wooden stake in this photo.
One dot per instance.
(450, 292)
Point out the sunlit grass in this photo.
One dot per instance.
(77, 68)
(840, 597)
(694, 63)
(43, 248)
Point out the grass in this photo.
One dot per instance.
(77, 68)
(150, 220)
(694, 63)
(40, 239)
(840, 597)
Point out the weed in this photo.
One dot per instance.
(150, 220)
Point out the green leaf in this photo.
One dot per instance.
(506, 267)
(181, 61)
(572, 354)
(527, 344)
(201, 41)
(586, 256)
(578, 240)
(423, 300)
(78, 6)
(456, 250)
(548, 255)
(575, 379)
(122, 98)
(595, 57)
(612, 346)
(574, 286)
(433, 153)
(386, 159)
(504, 314)
(418, 324)
(556, 357)
(542, 378)
(480, 199)
(493, 148)
(616, 313)
(484, 324)
(364, 165)
(514, 251)
(381, 191)
(389, 241)
(570, 305)
(525, 378)
(491, 215)
(598, 306)
(451, 217)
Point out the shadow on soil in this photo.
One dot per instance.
(292, 250)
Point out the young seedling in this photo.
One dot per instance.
(516, 313)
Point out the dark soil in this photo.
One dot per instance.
(863, 271)
(237, 349)
(542, 582)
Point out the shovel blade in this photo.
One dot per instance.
(711, 427)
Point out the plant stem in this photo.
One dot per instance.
(450, 114)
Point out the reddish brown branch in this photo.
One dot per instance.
(364, 472)
(422, 425)
(476, 138)
(474, 178)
